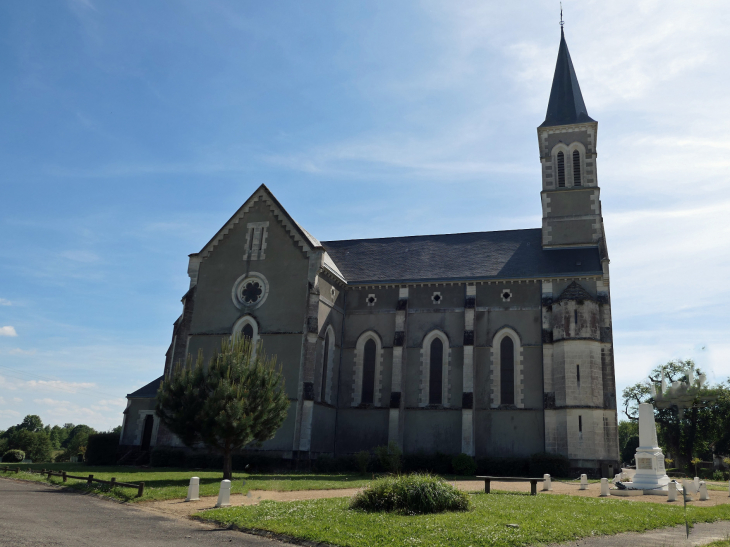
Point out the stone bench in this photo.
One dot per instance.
(533, 482)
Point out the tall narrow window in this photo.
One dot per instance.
(507, 371)
(561, 169)
(435, 379)
(368, 372)
(576, 168)
(580, 424)
(575, 316)
(247, 331)
(577, 374)
(325, 364)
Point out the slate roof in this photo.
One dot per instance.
(147, 392)
(477, 255)
(566, 104)
(575, 291)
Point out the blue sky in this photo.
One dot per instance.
(132, 131)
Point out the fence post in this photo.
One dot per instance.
(140, 490)
(17, 470)
(113, 482)
(64, 476)
(49, 474)
(90, 480)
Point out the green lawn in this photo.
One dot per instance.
(539, 519)
(173, 483)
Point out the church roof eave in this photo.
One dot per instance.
(566, 105)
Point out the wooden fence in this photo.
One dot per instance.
(89, 480)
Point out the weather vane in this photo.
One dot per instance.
(561, 15)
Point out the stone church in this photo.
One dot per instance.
(489, 343)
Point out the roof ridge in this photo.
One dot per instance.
(429, 235)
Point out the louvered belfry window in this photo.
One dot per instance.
(561, 170)
(368, 372)
(507, 371)
(576, 168)
(435, 380)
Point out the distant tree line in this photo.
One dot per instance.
(47, 443)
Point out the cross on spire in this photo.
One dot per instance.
(561, 16)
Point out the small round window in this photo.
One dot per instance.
(250, 291)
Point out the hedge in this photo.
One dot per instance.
(102, 448)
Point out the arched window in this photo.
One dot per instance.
(325, 366)
(368, 372)
(576, 168)
(247, 331)
(435, 383)
(507, 371)
(561, 169)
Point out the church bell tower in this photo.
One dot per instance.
(571, 204)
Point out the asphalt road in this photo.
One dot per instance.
(33, 514)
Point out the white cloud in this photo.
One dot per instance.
(18, 351)
(46, 385)
(8, 331)
(9, 413)
(5, 302)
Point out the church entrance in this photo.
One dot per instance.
(149, 421)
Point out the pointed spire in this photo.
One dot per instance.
(566, 104)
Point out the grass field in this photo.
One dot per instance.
(497, 519)
(173, 483)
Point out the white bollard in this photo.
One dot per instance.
(584, 482)
(224, 495)
(604, 488)
(547, 483)
(193, 490)
(697, 484)
(672, 491)
(703, 492)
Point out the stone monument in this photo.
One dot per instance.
(650, 471)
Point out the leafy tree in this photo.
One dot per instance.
(626, 430)
(31, 422)
(35, 444)
(237, 400)
(700, 429)
(628, 451)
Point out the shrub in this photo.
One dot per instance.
(102, 448)
(390, 457)
(167, 457)
(410, 495)
(362, 459)
(504, 467)
(556, 465)
(14, 456)
(720, 476)
(464, 464)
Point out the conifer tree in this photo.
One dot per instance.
(238, 399)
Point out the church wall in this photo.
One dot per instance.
(506, 433)
(285, 267)
(283, 438)
(568, 137)
(361, 429)
(570, 202)
(431, 431)
(568, 232)
(323, 428)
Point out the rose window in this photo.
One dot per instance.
(251, 292)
